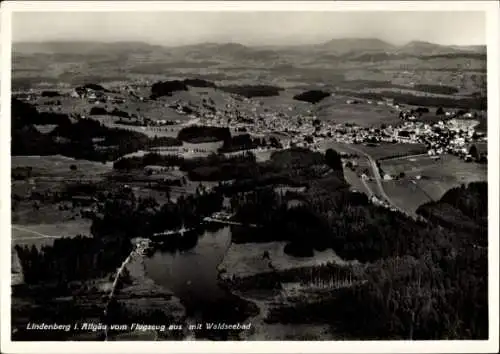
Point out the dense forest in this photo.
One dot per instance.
(115, 112)
(330, 216)
(419, 298)
(199, 134)
(243, 168)
(422, 280)
(425, 280)
(69, 259)
(199, 83)
(166, 88)
(122, 217)
(313, 96)
(464, 208)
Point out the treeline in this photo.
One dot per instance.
(438, 89)
(245, 142)
(91, 86)
(199, 83)
(199, 134)
(461, 55)
(425, 282)
(50, 94)
(212, 168)
(75, 139)
(231, 143)
(294, 166)
(313, 96)
(306, 276)
(115, 112)
(406, 298)
(121, 218)
(222, 168)
(462, 208)
(24, 114)
(69, 259)
(166, 88)
(134, 217)
(139, 162)
(479, 103)
(333, 217)
(250, 91)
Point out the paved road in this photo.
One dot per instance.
(378, 178)
(368, 188)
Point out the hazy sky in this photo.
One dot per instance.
(251, 28)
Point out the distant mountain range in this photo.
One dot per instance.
(342, 48)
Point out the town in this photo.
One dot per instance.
(451, 131)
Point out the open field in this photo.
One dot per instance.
(336, 109)
(377, 151)
(187, 150)
(37, 222)
(154, 110)
(60, 166)
(40, 234)
(446, 165)
(355, 181)
(242, 260)
(411, 166)
(50, 174)
(437, 177)
(383, 151)
(405, 195)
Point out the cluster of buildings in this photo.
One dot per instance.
(449, 135)
(455, 133)
(95, 96)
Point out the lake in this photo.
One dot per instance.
(193, 277)
(192, 274)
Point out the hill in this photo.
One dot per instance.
(347, 47)
(350, 45)
(337, 63)
(82, 47)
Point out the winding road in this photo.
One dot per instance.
(376, 174)
(378, 178)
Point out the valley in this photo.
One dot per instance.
(305, 190)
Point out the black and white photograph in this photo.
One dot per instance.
(229, 173)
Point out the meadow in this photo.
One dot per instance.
(436, 178)
(386, 150)
(337, 110)
(405, 195)
(60, 166)
(36, 221)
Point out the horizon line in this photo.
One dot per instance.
(240, 43)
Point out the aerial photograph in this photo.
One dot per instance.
(249, 176)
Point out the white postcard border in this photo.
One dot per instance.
(489, 7)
